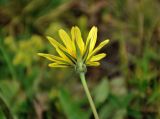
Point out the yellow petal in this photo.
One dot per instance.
(57, 65)
(90, 34)
(93, 63)
(73, 42)
(102, 44)
(72, 33)
(56, 44)
(66, 39)
(76, 35)
(63, 55)
(53, 58)
(92, 38)
(97, 57)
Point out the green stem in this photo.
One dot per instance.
(4, 107)
(7, 59)
(82, 76)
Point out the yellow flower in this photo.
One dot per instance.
(74, 52)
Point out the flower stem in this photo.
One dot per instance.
(82, 77)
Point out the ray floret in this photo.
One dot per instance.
(73, 49)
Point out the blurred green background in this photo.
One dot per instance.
(125, 86)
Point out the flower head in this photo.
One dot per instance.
(74, 51)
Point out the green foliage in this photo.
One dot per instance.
(1, 115)
(70, 106)
(125, 86)
(101, 92)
